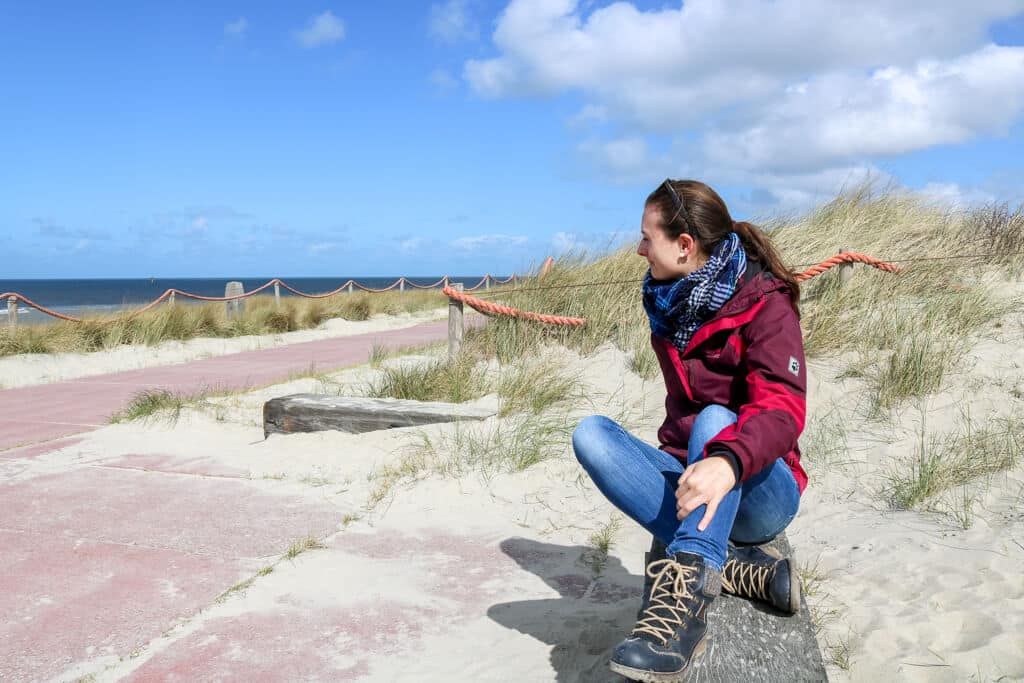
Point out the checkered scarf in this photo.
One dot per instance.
(677, 308)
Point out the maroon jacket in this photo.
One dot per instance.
(749, 358)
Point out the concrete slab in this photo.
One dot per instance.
(173, 464)
(214, 516)
(68, 599)
(38, 449)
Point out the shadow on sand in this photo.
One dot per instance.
(596, 608)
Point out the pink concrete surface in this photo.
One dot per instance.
(48, 411)
(100, 560)
(203, 466)
(209, 515)
(290, 644)
(38, 449)
(67, 599)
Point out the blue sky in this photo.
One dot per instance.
(310, 138)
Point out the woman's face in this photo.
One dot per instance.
(670, 259)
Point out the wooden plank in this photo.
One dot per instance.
(315, 412)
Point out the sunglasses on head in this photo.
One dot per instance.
(677, 201)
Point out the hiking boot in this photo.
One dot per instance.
(658, 551)
(761, 574)
(670, 632)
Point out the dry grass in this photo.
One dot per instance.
(940, 464)
(188, 321)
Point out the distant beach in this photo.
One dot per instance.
(78, 297)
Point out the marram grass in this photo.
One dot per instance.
(188, 321)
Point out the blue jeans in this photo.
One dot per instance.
(641, 480)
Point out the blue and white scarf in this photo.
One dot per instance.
(677, 308)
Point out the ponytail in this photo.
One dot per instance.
(759, 247)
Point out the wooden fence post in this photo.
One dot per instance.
(170, 299)
(277, 296)
(487, 281)
(845, 270)
(349, 286)
(12, 313)
(401, 285)
(233, 308)
(454, 323)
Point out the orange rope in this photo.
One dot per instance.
(485, 307)
(416, 286)
(491, 308)
(478, 285)
(7, 295)
(847, 257)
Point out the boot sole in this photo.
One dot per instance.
(642, 676)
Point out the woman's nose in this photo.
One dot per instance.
(640, 249)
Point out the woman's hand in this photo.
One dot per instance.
(704, 482)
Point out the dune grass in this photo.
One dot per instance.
(185, 321)
(940, 464)
(150, 403)
(509, 445)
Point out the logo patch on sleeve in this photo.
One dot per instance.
(794, 366)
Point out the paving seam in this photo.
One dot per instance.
(104, 541)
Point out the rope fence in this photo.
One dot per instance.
(13, 298)
(457, 293)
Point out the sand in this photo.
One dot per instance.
(498, 577)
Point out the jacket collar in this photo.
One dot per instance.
(755, 284)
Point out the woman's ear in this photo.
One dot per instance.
(685, 243)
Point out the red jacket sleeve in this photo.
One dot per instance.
(772, 418)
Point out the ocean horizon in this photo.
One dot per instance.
(84, 296)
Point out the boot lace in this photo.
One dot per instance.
(669, 593)
(746, 579)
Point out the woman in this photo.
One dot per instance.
(725, 328)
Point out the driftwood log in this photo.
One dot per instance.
(751, 642)
(314, 413)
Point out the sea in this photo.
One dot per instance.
(78, 297)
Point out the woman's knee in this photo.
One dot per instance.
(592, 440)
(709, 422)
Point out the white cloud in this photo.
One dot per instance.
(784, 89)
(323, 29)
(450, 22)
(952, 194)
(319, 247)
(442, 80)
(496, 241)
(410, 244)
(835, 117)
(599, 242)
(627, 159)
(237, 27)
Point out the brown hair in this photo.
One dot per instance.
(704, 216)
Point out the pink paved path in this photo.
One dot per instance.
(49, 411)
(102, 557)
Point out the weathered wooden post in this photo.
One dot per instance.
(445, 283)
(515, 279)
(170, 299)
(845, 270)
(277, 296)
(454, 323)
(235, 306)
(401, 285)
(487, 281)
(349, 286)
(12, 313)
